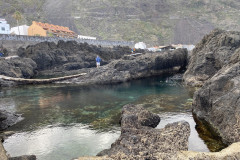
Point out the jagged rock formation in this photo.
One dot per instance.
(63, 56)
(138, 139)
(18, 67)
(69, 55)
(130, 67)
(210, 55)
(215, 64)
(218, 101)
(118, 65)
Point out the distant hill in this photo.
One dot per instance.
(155, 22)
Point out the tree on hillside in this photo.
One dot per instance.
(17, 16)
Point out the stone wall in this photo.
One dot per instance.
(37, 39)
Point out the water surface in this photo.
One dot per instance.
(68, 121)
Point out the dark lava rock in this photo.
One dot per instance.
(18, 67)
(218, 101)
(125, 69)
(66, 55)
(8, 119)
(136, 117)
(139, 140)
(210, 55)
(31, 157)
(215, 64)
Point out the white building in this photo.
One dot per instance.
(189, 47)
(86, 37)
(4, 27)
(140, 45)
(22, 29)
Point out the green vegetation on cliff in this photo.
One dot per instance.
(153, 21)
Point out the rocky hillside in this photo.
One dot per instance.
(153, 21)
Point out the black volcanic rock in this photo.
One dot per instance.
(215, 64)
(210, 55)
(8, 119)
(25, 157)
(218, 101)
(139, 139)
(131, 67)
(18, 67)
(66, 55)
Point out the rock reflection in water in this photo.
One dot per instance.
(209, 135)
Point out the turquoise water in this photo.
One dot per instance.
(68, 121)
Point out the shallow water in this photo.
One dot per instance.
(68, 121)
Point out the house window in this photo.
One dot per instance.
(3, 28)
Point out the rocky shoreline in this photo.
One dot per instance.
(68, 58)
(139, 140)
(214, 67)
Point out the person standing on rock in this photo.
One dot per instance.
(98, 60)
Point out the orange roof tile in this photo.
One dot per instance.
(54, 28)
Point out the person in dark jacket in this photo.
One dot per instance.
(98, 60)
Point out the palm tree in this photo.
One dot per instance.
(17, 16)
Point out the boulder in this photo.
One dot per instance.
(8, 119)
(139, 140)
(218, 102)
(210, 55)
(18, 67)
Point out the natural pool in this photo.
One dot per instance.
(68, 121)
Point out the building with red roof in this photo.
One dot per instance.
(50, 30)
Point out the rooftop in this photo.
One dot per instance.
(54, 28)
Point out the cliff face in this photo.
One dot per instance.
(153, 21)
(210, 55)
(215, 65)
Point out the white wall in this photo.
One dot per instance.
(86, 37)
(140, 45)
(22, 29)
(4, 27)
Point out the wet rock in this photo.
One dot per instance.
(218, 102)
(136, 117)
(139, 140)
(8, 119)
(210, 55)
(215, 64)
(31, 157)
